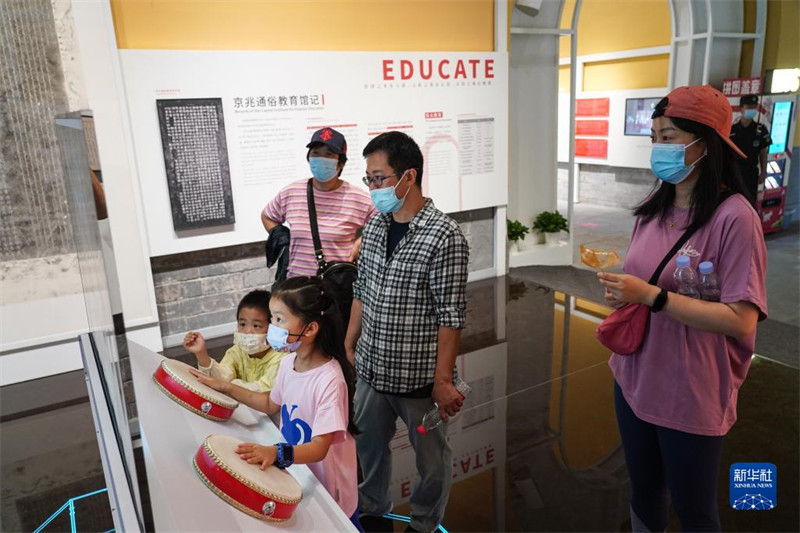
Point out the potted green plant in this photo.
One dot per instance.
(551, 223)
(516, 231)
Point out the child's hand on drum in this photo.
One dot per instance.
(255, 454)
(214, 383)
(194, 342)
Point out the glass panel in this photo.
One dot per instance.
(91, 230)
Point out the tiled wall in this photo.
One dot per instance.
(200, 289)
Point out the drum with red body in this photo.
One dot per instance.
(271, 494)
(177, 382)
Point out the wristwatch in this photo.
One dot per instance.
(659, 302)
(285, 457)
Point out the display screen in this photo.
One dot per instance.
(779, 130)
(637, 115)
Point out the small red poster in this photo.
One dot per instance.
(591, 127)
(591, 107)
(591, 148)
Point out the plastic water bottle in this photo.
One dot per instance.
(685, 277)
(709, 286)
(432, 418)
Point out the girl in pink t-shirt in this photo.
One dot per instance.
(313, 391)
(676, 395)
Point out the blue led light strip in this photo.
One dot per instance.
(70, 504)
(406, 519)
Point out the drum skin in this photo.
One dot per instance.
(272, 494)
(210, 404)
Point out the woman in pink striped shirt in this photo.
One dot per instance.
(343, 209)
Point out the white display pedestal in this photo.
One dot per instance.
(180, 501)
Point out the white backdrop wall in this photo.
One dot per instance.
(456, 109)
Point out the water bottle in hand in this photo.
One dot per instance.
(685, 277)
(709, 285)
(432, 418)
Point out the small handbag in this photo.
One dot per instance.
(341, 274)
(623, 330)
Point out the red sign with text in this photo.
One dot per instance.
(591, 148)
(592, 107)
(742, 86)
(591, 127)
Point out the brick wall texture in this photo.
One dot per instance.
(201, 289)
(608, 186)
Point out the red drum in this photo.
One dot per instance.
(175, 380)
(271, 494)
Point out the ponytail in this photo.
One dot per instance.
(314, 300)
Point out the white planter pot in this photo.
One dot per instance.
(513, 246)
(552, 239)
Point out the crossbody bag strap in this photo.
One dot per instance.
(312, 217)
(685, 237)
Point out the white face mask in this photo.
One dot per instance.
(252, 343)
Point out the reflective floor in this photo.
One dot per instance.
(536, 449)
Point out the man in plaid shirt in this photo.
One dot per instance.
(408, 310)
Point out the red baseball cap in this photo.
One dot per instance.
(706, 105)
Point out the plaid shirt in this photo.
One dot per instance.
(406, 297)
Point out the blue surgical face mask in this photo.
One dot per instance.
(750, 114)
(323, 168)
(668, 162)
(278, 338)
(385, 200)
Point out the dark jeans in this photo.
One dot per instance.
(660, 459)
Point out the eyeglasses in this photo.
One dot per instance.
(376, 180)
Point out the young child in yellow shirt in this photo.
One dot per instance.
(250, 362)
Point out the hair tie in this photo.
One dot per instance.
(321, 292)
(322, 313)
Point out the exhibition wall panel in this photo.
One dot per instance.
(455, 105)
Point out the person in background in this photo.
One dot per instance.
(343, 209)
(408, 309)
(752, 138)
(313, 391)
(675, 396)
(250, 363)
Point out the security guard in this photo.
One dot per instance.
(752, 138)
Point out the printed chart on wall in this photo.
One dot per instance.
(197, 168)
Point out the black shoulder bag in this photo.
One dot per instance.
(341, 274)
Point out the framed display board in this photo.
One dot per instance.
(196, 162)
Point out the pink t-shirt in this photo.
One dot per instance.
(340, 213)
(315, 403)
(683, 378)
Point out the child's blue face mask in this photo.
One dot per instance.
(750, 114)
(278, 338)
(668, 162)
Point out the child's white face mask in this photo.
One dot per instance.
(252, 343)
